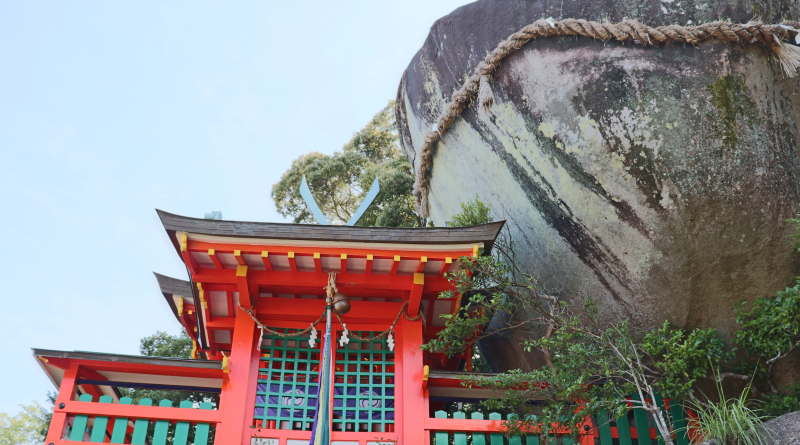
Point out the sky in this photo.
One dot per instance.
(109, 110)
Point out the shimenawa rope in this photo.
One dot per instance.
(331, 290)
(770, 36)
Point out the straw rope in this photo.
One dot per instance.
(770, 36)
(330, 291)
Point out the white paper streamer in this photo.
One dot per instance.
(312, 340)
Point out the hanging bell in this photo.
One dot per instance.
(341, 304)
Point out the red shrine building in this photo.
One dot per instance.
(253, 308)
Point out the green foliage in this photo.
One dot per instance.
(472, 213)
(593, 362)
(731, 421)
(597, 364)
(784, 402)
(771, 328)
(683, 357)
(796, 233)
(162, 344)
(340, 182)
(29, 426)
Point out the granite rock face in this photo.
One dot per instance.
(656, 180)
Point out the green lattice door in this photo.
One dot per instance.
(363, 392)
(288, 378)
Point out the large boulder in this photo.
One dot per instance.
(656, 180)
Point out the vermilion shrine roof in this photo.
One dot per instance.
(292, 261)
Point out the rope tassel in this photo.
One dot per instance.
(485, 94)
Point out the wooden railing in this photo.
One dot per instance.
(458, 430)
(124, 423)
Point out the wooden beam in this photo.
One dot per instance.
(423, 261)
(406, 253)
(265, 259)
(312, 282)
(411, 394)
(203, 306)
(292, 263)
(66, 394)
(395, 265)
(310, 310)
(239, 258)
(368, 269)
(445, 266)
(244, 287)
(212, 253)
(221, 324)
(229, 301)
(237, 415)
(317, 263)
(343, 267)
(188, 258)
(141, 412)
(416, 295)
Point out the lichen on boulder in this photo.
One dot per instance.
(655, 180)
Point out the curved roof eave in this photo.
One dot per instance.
(484, 233)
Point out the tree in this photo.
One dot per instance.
(29, 426)
(592, 363)
(162, 344)
(340, 182)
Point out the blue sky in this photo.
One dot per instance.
(109, 110)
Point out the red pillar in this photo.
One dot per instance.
(412, 404)
(236, 414)
(66, 394)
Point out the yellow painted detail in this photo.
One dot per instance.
(180, 306)
(237, 253)
(194, 329)
(241, 270)
(183, 242)
(419, 278)
(475, 249)
(43, 359)
(344, 256)
(425, 372)
(225, 364)
(291, 254)
(211, 252)
(448, 260)
(458, 304)
(369, 257)
(397, 257)
(191, 312)
(264, 254)
(316, 255)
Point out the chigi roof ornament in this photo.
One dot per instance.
(305, 192)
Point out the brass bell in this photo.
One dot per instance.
(341, 304)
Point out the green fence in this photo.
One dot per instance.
(636, 430)
(487, 437)
(143, 431)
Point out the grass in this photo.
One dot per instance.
(731, 421)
